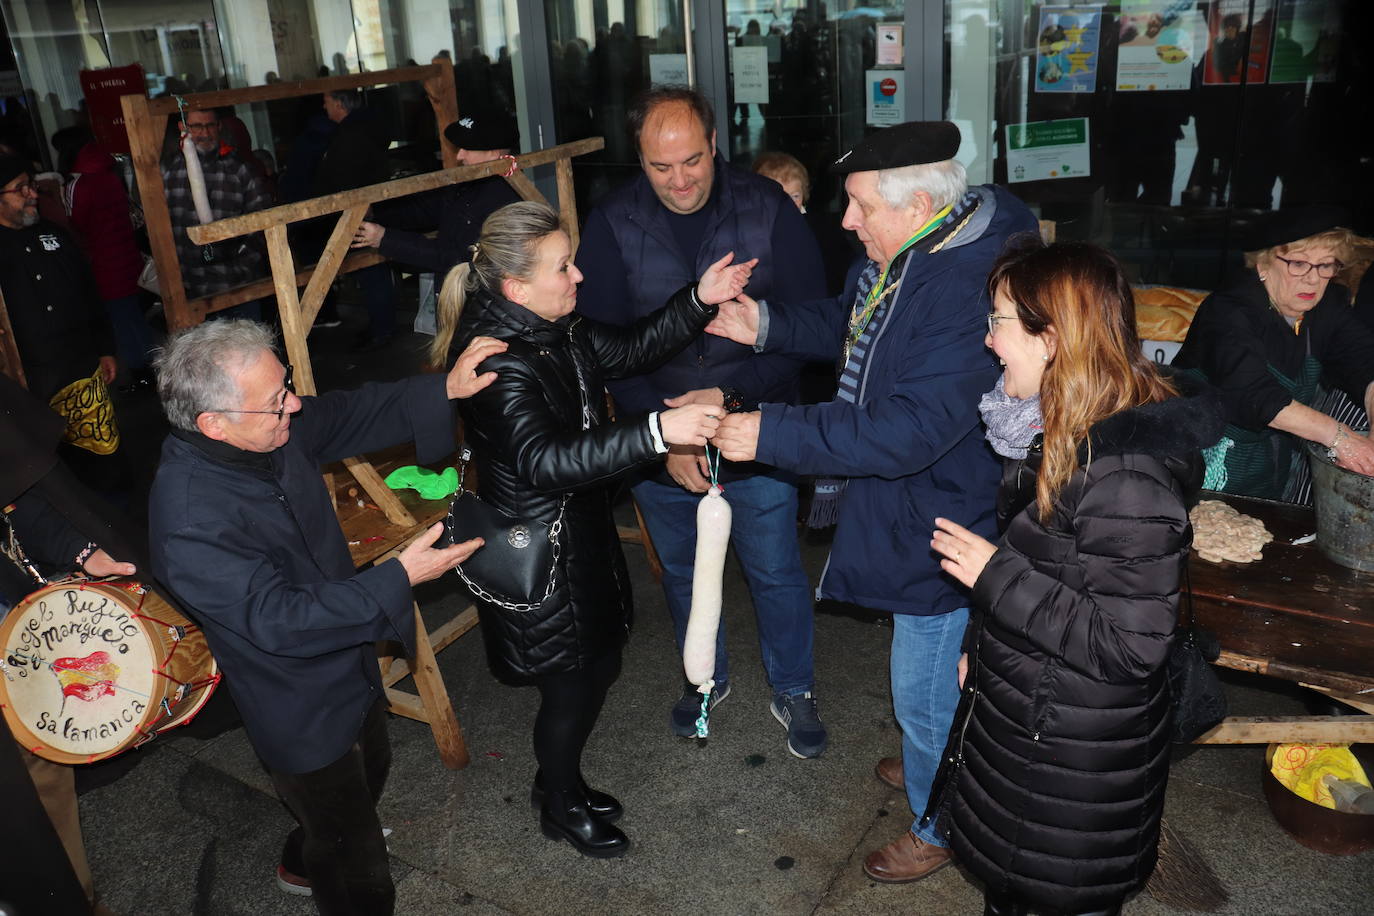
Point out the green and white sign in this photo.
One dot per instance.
(1041, 150)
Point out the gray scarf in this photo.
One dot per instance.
(1013, 423)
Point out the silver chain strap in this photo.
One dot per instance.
(11, 548)
(525, 607)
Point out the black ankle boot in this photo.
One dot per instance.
(1001, 905)
(568, 818)
(606, 807)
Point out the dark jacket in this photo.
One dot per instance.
(233, 188)
(457, 212)
(54, 515)
(632, 262)
(59, 324)
(356, 156)
(525, 431)
(252, 546)
(1236, 336)
(99, 206)
(912, 448)
(1065, 737)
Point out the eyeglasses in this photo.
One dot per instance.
(993, 318)
(27, 187)
(1326, 270)
(209, 125)
(288, 388)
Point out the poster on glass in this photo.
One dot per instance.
(1307, 42)
(1230, 30)
(1066, 49)
(1042, 150)
(1157, 40)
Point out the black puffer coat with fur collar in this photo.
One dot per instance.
(1061, 744)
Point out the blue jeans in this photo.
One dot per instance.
(764, 531)
(925, 692)
(133, 337)
(379, 294)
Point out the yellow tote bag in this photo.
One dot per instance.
(86, 406)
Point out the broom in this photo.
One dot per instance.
(1182, 879)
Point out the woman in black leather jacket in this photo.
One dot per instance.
(539, 435)
(1060, 749)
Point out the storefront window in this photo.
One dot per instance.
(799, 82)
(603, 53)
(197, 45)
(1160, 128)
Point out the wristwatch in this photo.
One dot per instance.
(733, 399)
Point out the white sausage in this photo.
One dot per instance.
(713, 536)
(196, 178)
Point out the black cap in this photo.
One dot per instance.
(484, 130)
(912, 143)
(1293, 224)
(11, 166)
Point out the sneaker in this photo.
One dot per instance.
(806, 734)
(293, 884)
(683, 716)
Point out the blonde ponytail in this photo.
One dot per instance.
(507, 248)
(453, 295)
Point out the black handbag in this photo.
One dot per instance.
(516, 568)
(1198, 700)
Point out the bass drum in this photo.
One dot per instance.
(91, 669)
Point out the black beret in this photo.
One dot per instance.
(484, 130)
(912, 143)
(12, 166)
(1293, 224)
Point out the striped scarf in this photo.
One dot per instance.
(825, 501)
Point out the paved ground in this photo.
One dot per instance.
(732, 826)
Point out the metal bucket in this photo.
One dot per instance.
(1335, 833)
(1344, 503)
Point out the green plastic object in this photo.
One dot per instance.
(424, 481)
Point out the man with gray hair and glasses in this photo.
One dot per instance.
(244, 533)
(902, 435)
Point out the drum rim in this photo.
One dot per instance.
(147, 728)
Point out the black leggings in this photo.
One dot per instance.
(569, 704)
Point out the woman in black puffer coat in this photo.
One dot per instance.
(539, 435)
(1057, 764)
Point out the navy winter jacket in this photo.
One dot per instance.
(912, 448)
(256, 554)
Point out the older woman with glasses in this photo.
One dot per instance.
(1279, 344)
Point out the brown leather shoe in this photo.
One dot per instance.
(907, 858)
(889, 770)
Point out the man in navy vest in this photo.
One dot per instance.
(645, 241)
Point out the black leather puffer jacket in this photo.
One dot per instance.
(529, 448)
(1061, 743)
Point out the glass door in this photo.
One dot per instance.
(602, 53)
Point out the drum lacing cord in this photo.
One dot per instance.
(191, 686)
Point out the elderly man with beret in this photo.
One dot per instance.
(903, 431)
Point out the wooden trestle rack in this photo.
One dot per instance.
(146, 121)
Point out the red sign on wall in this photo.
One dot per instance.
(102, 89)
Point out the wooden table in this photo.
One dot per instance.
(1294, 615)
(373, 539)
